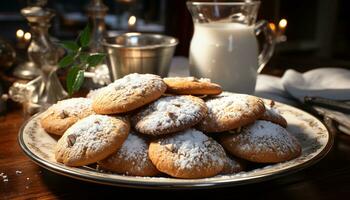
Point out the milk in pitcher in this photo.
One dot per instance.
(227, 53)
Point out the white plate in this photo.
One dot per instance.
(312, 134)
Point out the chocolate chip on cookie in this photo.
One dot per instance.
(128, 93)
(169, 114)
(91, 139)
(60, 116)
(229, 111)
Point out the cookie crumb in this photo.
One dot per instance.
(18, 172)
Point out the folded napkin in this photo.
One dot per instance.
(331, 83)
(271, 87)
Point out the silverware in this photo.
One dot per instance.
(139, 53)
(328, 103)
(334, 113)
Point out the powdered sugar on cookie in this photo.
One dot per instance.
(229, 111)
(170, 112)
(136, 149)
(135, 83)
(93, 93)
(273, 115)
(266, 136)
(270, 109)
(131, 159)
(194, 149)
(72, 107)
(128, 93)
(89, 134)
(229, 105)
(232, 166)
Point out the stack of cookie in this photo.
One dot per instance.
(143, 125)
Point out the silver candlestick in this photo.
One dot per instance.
(28, 69)
(96, 11)
(45, 89)
(44, 54)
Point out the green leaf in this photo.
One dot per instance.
(95, 59)
(70, 45)
(71, 77)
(79, 79)
(83, 57)
(84, 37)
(66, 61)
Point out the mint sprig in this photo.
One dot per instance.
(78, 60)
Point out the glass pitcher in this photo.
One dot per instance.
(224, 45)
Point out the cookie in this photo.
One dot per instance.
(232, 165)
(131, 159)
(271, 114)
(191, 86)
(128, 93)
(262, 142)
(91, 139)
(60, 116)
(187, 154)
(229, 111)
(169, 114)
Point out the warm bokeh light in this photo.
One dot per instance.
(132, 20)
(272, 26)
(19, 33)
(283, 23)
(27, 36)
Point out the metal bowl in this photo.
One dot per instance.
(139, 53)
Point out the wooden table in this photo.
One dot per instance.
(328, 179)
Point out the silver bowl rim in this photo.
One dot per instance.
(154, 46)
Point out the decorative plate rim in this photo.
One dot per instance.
(139, 182)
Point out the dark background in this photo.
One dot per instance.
(317, 33)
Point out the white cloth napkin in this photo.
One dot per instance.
(331, 83)
(271, 87)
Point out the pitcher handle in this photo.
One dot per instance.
(269, 43)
